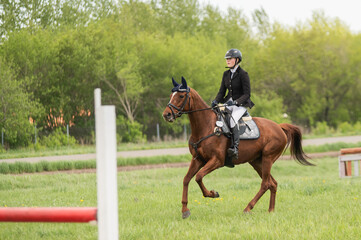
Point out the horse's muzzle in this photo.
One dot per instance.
(168, 116)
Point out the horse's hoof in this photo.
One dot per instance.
(216, 194)
(186, 214)
(246, 212)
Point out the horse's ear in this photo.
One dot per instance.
(175, 84)
(184, 83)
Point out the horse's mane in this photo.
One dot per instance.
(195, 94)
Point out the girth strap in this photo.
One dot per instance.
(195, 145)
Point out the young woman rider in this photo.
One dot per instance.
(236, 81)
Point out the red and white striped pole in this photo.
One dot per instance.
(49, 214)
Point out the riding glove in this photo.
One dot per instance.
(214, 103)
(231, 103)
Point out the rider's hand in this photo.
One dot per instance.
(214, 103)
(230, 103)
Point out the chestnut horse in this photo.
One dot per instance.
(210, 150)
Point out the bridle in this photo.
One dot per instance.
(180, 109)
(180, 112)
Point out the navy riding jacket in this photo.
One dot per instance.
(239, 88)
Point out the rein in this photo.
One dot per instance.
(181, 112)
(198, 110)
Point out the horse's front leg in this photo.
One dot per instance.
(210, 166)
(193, 169)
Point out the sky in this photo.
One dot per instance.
(289, 12)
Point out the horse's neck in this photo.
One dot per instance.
(202, 122)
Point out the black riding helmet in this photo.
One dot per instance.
(234, 53)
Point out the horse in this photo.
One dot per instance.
(209, 151)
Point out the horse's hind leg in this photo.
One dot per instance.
(273, 190)
(263, 168)
(257, 165)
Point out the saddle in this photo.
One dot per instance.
(248, 128)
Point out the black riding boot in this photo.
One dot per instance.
(233, 150)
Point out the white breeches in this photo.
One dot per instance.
(237, 113)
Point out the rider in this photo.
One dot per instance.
(236, 81)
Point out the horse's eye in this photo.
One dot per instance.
(181, 96)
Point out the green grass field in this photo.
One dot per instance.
(312, 203)
(84, 149)
(80, 149)
(25, 167)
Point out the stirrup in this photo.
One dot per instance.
(232, 153)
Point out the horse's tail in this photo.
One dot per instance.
(294, 139)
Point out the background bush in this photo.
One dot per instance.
(57, 139)
(129, 131)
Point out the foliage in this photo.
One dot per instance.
(329, 147)
(322, 128)
(57, 52)
(2, 149)
(345, 127)
(57, 139)
(129, 131)
(311, 69)
(270, 106)
(16, 107)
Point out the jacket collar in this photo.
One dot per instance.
(235, 72)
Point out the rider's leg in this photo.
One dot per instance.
(237, 113)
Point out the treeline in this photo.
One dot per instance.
(54, 53)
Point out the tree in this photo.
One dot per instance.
(177, 15)
(309, 68)
(16, 108)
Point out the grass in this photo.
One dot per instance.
(31, 152)
(329, 147)
(83, 149)
(24, 167)
(312, 203)
(43, 166)
(334, 133)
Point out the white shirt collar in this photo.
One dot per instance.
(234, 69)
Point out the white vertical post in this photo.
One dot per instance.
(106, 150)
(67, 134)
(97, 99)
(35, 135)
(158, 135)
(185, 132)
(2, 137)
(356, 168)
(341, 167)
